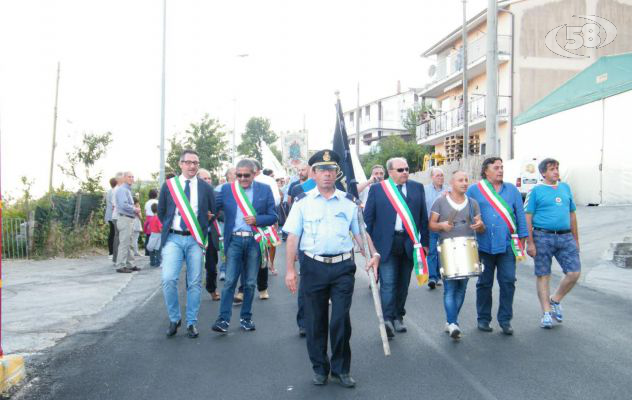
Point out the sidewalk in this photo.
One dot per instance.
(44, 301)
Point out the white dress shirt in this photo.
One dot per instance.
(193, 185)
(398, 221)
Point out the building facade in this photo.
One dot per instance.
(379, 119)
(529, 66)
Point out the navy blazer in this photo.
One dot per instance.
(380, 216)
(262, 201)
(167, 208)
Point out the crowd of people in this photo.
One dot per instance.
(443, 233)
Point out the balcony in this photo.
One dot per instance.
(433, 131)
(449, 70)
(367, 126)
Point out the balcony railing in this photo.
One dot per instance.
(476, 50)
(370, 125)
(454, 119)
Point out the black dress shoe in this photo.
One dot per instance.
(192, 331)
(507, 329)
(173, 328)
(432, 284)
(302, 332)
(319, 380)
(484, 326)
(344, 380)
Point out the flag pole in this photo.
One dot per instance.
(377, 302)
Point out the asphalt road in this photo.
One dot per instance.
(589, 356)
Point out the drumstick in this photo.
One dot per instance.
(452, 216)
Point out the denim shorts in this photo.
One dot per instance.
(562, 247)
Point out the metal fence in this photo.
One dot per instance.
(15, 238)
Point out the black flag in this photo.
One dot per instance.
(346, 180)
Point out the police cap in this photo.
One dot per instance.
(325, 159)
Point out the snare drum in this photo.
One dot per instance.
(459, 258)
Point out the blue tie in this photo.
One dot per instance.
(401, 191)
(187, 192)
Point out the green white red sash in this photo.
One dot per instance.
(265, 236)
(506, 213)
(221, 238)
(400, 206)
(186, 211)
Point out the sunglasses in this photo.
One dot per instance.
(400, 170)
(243, 176)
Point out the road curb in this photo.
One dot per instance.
(12, 371)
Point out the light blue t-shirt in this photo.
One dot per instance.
(324, 224)
(550, 206)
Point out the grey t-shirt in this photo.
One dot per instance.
(461, 219)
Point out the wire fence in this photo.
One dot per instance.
(15, 240)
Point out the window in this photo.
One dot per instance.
(352, 117)
(367, 112)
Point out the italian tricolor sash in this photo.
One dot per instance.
(221, 238)
(265, 236)
(506, 213)
(186, 211)
(400, 206)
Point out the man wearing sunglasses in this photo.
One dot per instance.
(248, 206)
(393, 239)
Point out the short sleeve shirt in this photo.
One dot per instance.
(324, 224)
(462, 219)
(550, 206)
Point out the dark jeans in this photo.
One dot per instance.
(322, 282)
(300, 314)
(154, 258)
(210, 264)
(505, 263)
(434, 263)
(111, 237)
(262, 280)
(394, 278)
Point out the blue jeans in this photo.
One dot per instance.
(395, 275)
(177, 249)
(243, 255)
(453, 297)
(505, 263)
(433, 257)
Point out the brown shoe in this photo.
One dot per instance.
(215, 296)
(124, 270)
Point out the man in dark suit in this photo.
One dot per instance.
(182, 240)
(243, 253)
(211, 259)
(392, 240)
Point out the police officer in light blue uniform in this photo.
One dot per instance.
(321, 220)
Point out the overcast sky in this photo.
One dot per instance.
(110, 52)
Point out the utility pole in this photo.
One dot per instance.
(357, 143)
(162, 102)
(491, 102)
(466, 131)
(52, 152)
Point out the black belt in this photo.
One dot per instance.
(401, 233)
(564, 232)
(183, 233)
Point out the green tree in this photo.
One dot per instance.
(394, 146)
(84, 157)
(207, 137)
(415, 116)
(257, 132)
(277, 153)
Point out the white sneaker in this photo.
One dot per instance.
(446, 329)
(455, 332)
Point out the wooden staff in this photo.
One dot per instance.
(377, 302)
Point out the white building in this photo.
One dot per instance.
(378, 119)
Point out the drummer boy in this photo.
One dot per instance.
(455, 215)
